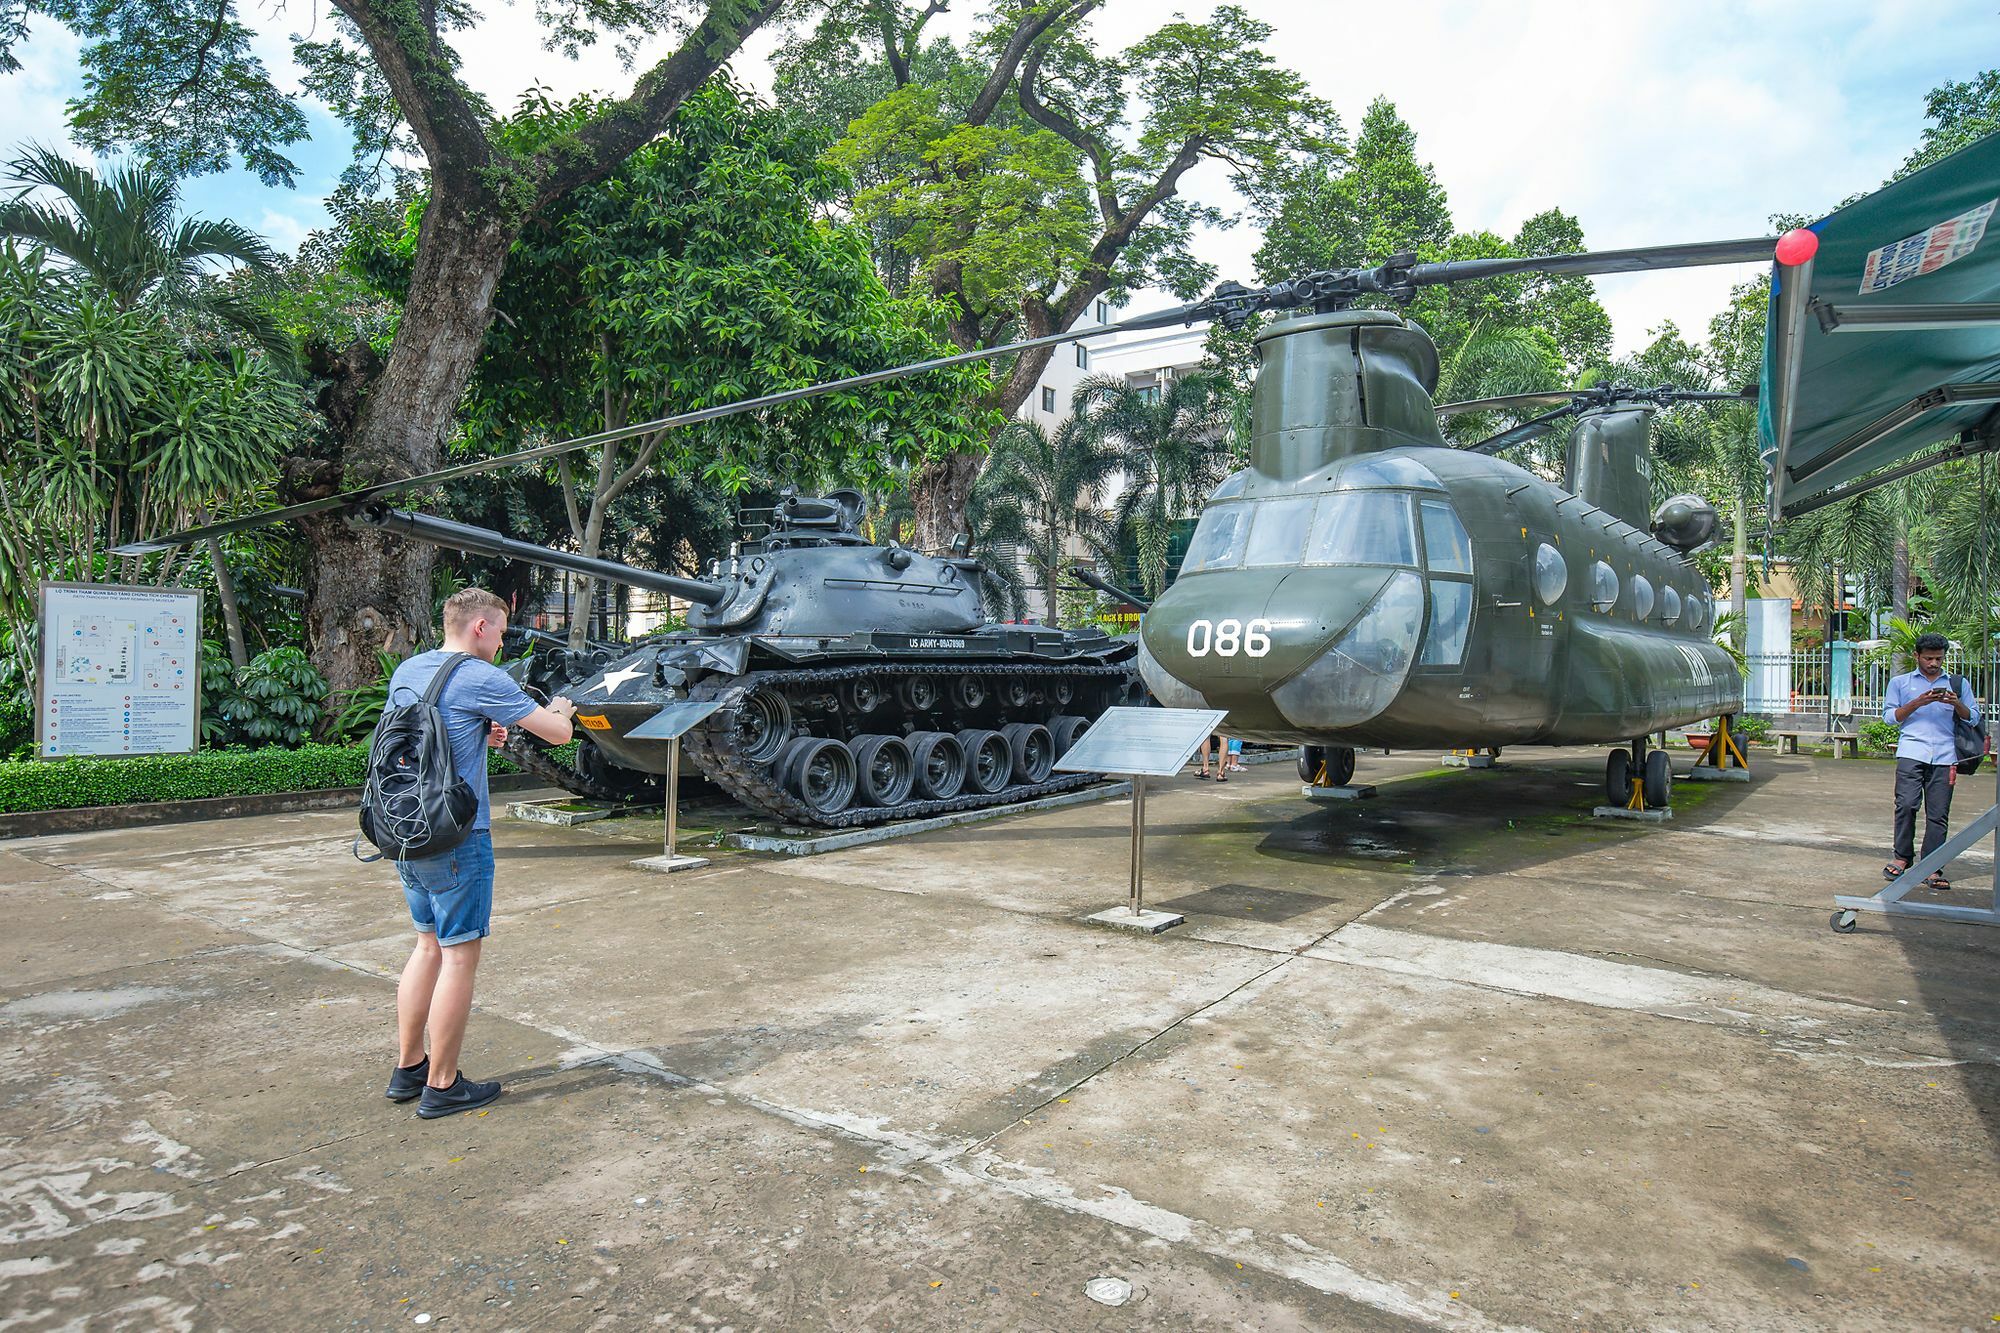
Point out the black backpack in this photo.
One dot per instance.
(414, 804)
(1969, 736)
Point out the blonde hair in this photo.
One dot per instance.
(469, 604)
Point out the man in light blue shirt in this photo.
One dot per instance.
(1926, 704)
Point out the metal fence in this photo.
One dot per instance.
(1845, 684)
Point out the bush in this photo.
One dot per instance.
(275, 698)
(1880, 735)
(1749, 728)
(61, 784)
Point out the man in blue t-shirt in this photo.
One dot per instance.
(1926, 704)
(451, 895)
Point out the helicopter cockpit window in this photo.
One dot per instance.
(1363, 528)
(1451, 618)
(1551, 574)
(1642, 597)
(1603, 587)
(1447, 550)
(1670, 606)
(1278, 531)
(1232, 485)
(1386, 470)
(1218, 538)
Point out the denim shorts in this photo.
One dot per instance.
(451, 895)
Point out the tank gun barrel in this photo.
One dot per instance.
(1090, 580)
(485, 541)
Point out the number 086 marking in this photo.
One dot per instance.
(1226, 638)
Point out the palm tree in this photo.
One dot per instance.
(1853, 539)
(122, 234)
(1173, 446)
(1048, 490)
(1963, 555)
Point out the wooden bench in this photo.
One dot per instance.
(1846, 744)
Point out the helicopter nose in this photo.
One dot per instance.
(1227, 639)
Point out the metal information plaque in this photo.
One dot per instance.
(121, 670)
(673, 722)
(1142, 742)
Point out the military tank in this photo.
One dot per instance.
(859, 681)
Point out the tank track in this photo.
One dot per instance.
(538, 761)
(755, 785)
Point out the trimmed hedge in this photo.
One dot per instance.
(62, 784)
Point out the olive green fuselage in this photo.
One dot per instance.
(1364, 584)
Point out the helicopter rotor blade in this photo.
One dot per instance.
(1508, 402)
(1532, 429)
(1696, 254)
(1184, 314)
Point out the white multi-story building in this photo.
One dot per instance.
(1148, 359)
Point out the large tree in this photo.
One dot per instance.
(179, 81)
(1025, 176)
(699, 273)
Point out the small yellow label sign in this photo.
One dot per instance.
(595, 721)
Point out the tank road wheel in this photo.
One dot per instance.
(1015, 692)
(988, 760)
(939, 762)
(1340, 765)
(1618, 777)
(1032, 750)
(1657, 776)
(763, 725)
(819, 772)
(920, 694)
(883, 769)
(1310, 758)
(1066, 731)
(968, 692)
(1063, 690)
(861, 696)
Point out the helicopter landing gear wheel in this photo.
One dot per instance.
(763, 725)
(1618, 777)
(1657, 780)
(1340, 765)
(1066, 730)
(968, 692)
(883, 769)
(939, 762)
(1031, 749)
(862, 696)
(819, 772)
(1845, 922)
(988, 760)
(1310, 759)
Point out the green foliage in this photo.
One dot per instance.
(1044, 492)
(275, 699)
(1750, 728)
(1880, 736)
(1173, 447)
(1959, 113)
(361, 707)
(60, 784)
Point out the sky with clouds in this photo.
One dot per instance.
(1651, 120)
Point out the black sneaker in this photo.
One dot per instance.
(464, 1095)
(408, 1084)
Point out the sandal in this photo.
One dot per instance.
(1202, 774)
(1893, 869)
(1937, 883)
(1220, 778)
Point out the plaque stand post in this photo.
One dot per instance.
(1134, 915)
(672, 860)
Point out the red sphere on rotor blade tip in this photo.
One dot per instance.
(1797, 246)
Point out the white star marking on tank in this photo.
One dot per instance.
(613, 679)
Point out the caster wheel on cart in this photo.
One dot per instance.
(1844, 923)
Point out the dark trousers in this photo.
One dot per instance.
(1928, 785)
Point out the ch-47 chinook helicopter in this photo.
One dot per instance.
(1361, 582)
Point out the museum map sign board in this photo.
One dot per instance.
(121, 670)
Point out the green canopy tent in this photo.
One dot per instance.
(1881, 359)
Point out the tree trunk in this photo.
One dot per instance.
(225, 588)
(366, 589)
(941, 489)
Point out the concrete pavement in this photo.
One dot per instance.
(1458, 1056)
